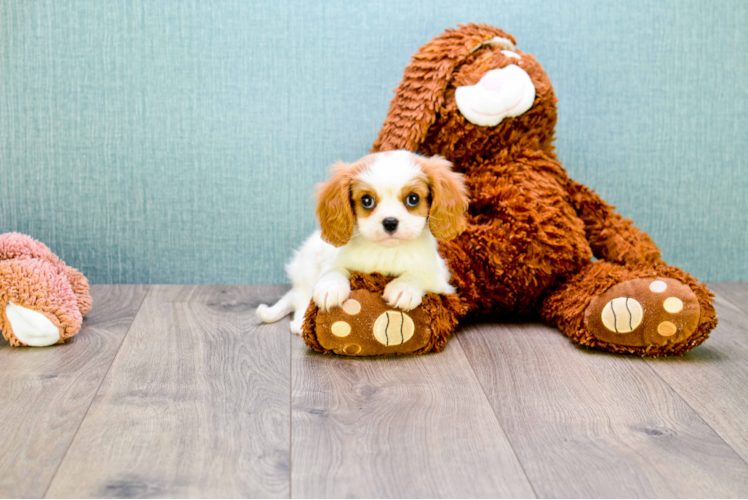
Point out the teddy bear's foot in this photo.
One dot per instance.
(645, 309)
(644, 312)
(31, 327)
(366, 326)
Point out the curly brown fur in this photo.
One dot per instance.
(531, 231)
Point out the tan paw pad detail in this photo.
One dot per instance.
(352, 349)
(667, 328)
(673, 305)
(658, 286)
(352, 307)
(341, 329)
(393, 328)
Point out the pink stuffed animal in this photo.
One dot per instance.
(42, 300)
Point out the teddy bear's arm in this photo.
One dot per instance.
(612, 237)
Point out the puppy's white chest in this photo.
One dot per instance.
(410, 256)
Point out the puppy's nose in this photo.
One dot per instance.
(390, 224)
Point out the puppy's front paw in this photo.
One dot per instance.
(331, 291)
(402, 295)
(297, 323)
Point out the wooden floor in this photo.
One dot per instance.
(178, 391)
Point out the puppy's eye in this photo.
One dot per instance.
(367, 202)
(412, 200)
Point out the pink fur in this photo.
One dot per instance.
(33, 277)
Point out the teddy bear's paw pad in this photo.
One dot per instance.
(366, 326)
(31, 327)
(643, 312)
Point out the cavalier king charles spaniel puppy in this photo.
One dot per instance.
(381, 214)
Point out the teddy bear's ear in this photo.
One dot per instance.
(421, 93)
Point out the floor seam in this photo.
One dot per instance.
(651, 367)
(496, 416)
(98, 388)
(736, 304)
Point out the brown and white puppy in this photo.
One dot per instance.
(383, 214)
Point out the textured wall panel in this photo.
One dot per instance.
(179, 141)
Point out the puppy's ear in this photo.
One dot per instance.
(334, 210)
(449, 199)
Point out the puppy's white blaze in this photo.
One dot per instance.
(390, 172)
(31, 327)
(501, 93)
(387, 175)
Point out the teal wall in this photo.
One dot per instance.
(179, 141)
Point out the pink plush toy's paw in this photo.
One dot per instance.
(79, 285)
(22, 247)
(38, 306)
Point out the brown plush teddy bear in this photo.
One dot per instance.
(471, 96)
(42, 300)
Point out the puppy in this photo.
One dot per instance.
(381, 214)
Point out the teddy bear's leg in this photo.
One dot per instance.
(37, 304)
(647, 309)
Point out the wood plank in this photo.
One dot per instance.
(197, 403)
(592, 424)
(713, 378)
(46, 391)
(416, 426)
(735, 294)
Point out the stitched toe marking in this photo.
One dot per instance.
(622, 315)
(393, 328)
